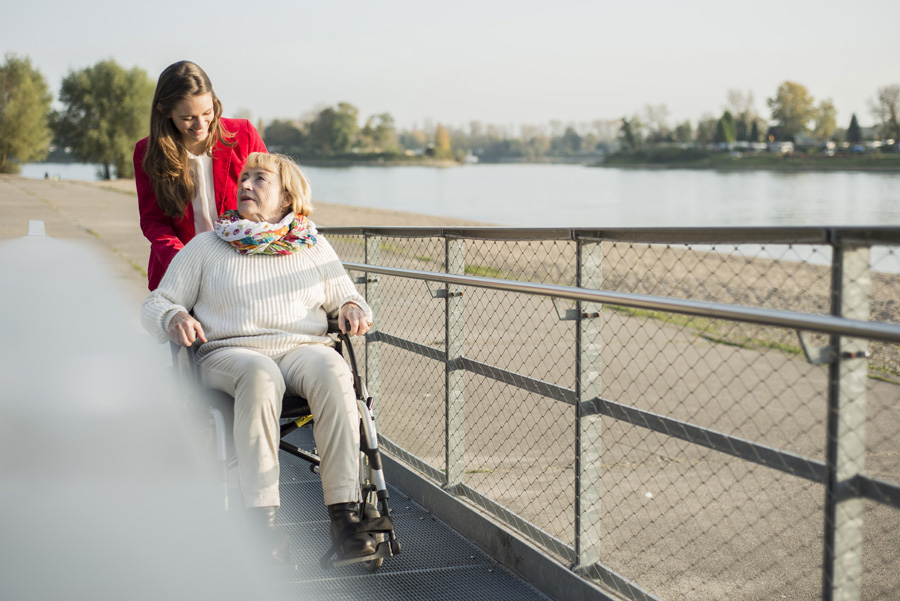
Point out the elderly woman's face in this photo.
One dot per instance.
(260, 196)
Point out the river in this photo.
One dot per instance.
(577, 196)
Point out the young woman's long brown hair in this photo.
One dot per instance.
(166, 162)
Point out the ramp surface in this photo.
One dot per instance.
(435, 564)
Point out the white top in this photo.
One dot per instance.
(268, 303)
(204, 202)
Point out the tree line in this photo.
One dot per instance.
(106, 109)
(794, 115)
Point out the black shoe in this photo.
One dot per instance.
(343, 515)
(277, 545)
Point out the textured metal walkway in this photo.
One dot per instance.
(435, 564)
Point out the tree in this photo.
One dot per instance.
(25, 133)
(283, 134)
(886, 110)
(589, 142)
(684, 132)
(753, 136)
(335, 129)
(631, 133)
(570, 143)
(320, 130)
(414, 139)
(792, 109)
(442, 147)
(459, 142)
(534, 142)
(741, 128)
(706, 129)
(379, 134)
(346, 126)
(607, 130)
(854, 131)
(826, 121)
(106, 109)
(741, 104)
(656, 118)
(384, 132)
(725, 129)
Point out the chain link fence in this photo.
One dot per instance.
(661, 450)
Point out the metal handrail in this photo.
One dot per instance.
(827, 324)
(651, 235)
(842, 473)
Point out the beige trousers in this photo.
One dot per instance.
(257, 383)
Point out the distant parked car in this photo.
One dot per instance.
(858, 149)
(781, 147)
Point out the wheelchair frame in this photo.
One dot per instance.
(375, 513)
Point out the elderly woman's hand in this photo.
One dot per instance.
(353, 320)
(184, 329)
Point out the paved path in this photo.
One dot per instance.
(105, 219)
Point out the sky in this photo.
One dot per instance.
(502, 62)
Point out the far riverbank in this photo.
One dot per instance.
(674, 158)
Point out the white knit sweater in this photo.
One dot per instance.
(268, 303)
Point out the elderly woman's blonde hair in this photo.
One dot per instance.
(293, 181)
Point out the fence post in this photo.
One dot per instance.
(454, 418)
(846, 445)
(373, 348)
(588, 426)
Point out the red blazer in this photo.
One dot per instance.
(168, 235)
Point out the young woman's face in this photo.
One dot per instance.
(192, 117)
(260, 196)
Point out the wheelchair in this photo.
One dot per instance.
(374, 512)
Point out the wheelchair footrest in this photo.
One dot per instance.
(372, 525)
(383, 550)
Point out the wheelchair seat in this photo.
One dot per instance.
(374, 513)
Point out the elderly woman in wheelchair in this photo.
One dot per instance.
(256, 292)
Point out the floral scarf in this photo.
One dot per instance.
(252, 238)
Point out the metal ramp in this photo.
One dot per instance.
(436, 563)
